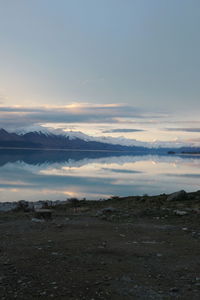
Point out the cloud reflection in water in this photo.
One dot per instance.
(37, 175)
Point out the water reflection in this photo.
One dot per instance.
(39, 175)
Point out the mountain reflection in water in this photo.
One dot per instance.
(38, 175)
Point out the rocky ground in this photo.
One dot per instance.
(123, 248)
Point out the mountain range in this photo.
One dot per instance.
(48, 140)
(37, 138)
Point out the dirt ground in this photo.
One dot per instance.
(138, 248)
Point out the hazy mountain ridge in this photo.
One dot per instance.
(44, 139)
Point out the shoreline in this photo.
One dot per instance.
(32, 205)
(122, 248)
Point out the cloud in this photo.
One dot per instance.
(183, 175)
(193, 140)
(184, 129)
(19, 116)
(123, 130)
(122, 171)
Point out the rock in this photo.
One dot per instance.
(180, 195)
(103, 217)
(106, 210)
(36, 220)
(180, 212)
(126, 215)
(174, 290)
(126, 278)
(59, 225)
(112, 217)
(197, 278)
(38, 206)
(45, 214)
(184, 228)
(159, 255)
(43, 293)
(122, 235)
(103, 245)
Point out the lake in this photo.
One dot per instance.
(41, 175)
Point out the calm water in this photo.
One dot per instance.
(39, 175)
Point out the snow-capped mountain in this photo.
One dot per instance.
(41, 137)
(36, 128)
(71, 135)
(45, 139)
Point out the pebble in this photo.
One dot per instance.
(197, 278)
(159, 255)
(43, 293)
(174, 290)
(180, 212)
(184, 228)
(36, 220)
(54, 253)
(122, 235)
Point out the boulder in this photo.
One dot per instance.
(38, 206)
(180, 212)
(45, 214)
(106, 210)
(177, 196)
(109, 210)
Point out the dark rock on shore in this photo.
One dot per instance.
(180, 195)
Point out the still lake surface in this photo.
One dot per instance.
(41, 175)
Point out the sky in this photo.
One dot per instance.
(105, 67)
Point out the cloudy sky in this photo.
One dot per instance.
(106, 67)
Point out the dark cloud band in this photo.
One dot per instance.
(123, 130)
(184, 129)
